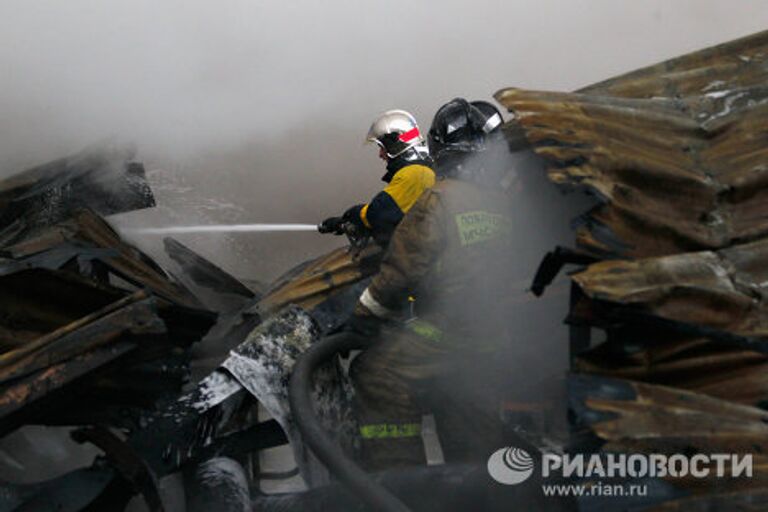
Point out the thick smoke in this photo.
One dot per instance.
(251, 111)
(531, 342)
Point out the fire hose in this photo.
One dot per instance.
(322, 445)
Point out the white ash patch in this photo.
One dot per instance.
(263, 365)
(212, 391)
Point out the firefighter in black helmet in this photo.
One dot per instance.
(466, 139)
(409, 173)
(452, 253)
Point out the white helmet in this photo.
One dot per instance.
(395, 131)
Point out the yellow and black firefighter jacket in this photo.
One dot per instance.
(452, 251)
(406, 181)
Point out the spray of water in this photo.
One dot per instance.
(224, 228)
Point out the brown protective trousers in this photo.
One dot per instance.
(452, 253)
(404, 375)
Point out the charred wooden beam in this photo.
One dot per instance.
(126, 461)
(203, 272)
(23, 392)
(104, 178)
(133, 314)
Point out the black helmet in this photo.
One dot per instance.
(491, 114)
(460, 128)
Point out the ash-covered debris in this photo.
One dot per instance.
(94, 333)
(105, 178)
(92, 330)
(676, 153)
(263, 365)
(212, 284)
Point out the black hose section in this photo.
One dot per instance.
(322, 445)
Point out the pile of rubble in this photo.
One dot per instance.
(669, 310)
(92, 330)
(95, 335)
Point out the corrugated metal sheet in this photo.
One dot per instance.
(679, 164)
(313, 282)
(678, 155)
(736, 63)
(723, 289)
(631, 417)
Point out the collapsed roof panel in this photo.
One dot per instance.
(695, 364)
(40, 300)
(104, 178)
(713, 335)
(722, 289)
(92, 330)
(67, 319)
(24, 392)
(678, 154)
(87, 236)
(212, 285)
(677, 151)
(313, 282)
(617, 412)
(674, 175)
(134, 313)
(738, 63)
(631, 417)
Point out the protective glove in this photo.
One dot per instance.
(353, 215)
(332, 225)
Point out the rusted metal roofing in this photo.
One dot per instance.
(678, 155)
(679, 160)
(633, 417)
(313, 282)
(737, 63)
(722, 289)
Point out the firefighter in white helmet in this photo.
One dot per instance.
(409, 174)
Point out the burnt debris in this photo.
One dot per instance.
(92, 330)
(668, 320)
(95, 334)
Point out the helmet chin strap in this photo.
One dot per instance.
(416, 154)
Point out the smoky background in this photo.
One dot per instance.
(254, 112)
